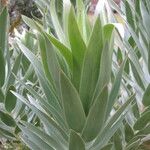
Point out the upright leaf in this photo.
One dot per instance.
(72, 105)
(105, 64)
(91, 65)
(76, 142)
(146, 96)
(96, 116)
(3, 29)
(2, 68)
(10, 100)
(116, 87)
(78, 48)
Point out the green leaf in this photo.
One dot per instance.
(105, 64)
(2, 68)
(7, 119)
(91, 65)
(78, 48)
(10, 100)
(65, 51)
(72, 105)
(16, 66)
(1, 96)
(41, 134)
(30, 143)
(130, 17)
(76, 142)
(142, 121)
(41, 143)
(96, 116)
(3, 29)
(56, 23)
(47, 87)
(146, 96)
(113, 124)
(49, 123)
(116, 88)
(107, 147)
(136, 75)
(117, 140)
(129, 133)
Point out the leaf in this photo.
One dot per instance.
(136, 75)
(146, 96)
(16, 66)
(66, 52)
(30, 143)
(49, 123)
(1, 96)
(116, 88)
(96, 116)
(3, 29)
(56, 24)
(105, 64)
(41, 134)
(41, 143)
(129, 133)
(142, 121)
(107, 147)
(10, 100)
(113, 124)
(117, 140)
(72, 105)
(78, 48)
(2, 68)
(46, 86)
(129, 15)
(91, 65)
(76, 142)
(7, 119)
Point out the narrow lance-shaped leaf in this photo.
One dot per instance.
(66, 52)
(146, 96)
(48, 139)
(3, 29)
(10, 100)
(7, 119)
(142, 121)
(2, 68)
(96, 116)
(76, 142)
(78, 48)
(116, 88)
(91, 65)
(74, 112)
(35, 139)
(105, 64)
(1, 96)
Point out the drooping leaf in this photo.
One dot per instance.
(10, 100)
(76, 142)
(72, 105)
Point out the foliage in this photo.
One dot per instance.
(69, 83)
